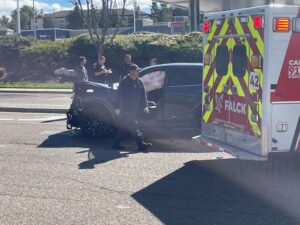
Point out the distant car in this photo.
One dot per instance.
(174, 93)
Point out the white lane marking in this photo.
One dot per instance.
(122, 207)
(42, 119)
(6, 119)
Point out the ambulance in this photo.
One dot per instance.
(251, 80)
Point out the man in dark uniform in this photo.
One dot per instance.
(124, 69)
(100, 71)
(130, 102)
(81, 72)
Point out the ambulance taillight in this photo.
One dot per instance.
(206, 27)
(258, 22)
(281, 24)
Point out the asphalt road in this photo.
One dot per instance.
(52, 176)
(35, 100)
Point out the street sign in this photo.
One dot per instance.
(177, 24)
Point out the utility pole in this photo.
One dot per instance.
(54, 24)
(134, 24)
(34, 32)
(18, 19)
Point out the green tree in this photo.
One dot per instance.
(180, 12)
(138, 12)
(48, 22)
(74, 19)
(115, 19)
(165, 13)
(26, 14)
(4, 21)
(155, 12)
(89, 13)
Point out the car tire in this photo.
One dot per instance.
(94, 126)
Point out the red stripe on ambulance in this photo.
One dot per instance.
(287, 88)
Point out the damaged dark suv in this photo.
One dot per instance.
(174, 93)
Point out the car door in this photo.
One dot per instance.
(154, 81)
(182, 95)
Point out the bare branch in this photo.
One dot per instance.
(91, 19)
(119, 22)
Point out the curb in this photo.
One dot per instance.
(33, 110)
(68, 91)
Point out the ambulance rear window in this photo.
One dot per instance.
(222, 60)
(239, 60)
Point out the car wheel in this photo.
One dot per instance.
(92, 126)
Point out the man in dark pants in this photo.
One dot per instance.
(130, 102)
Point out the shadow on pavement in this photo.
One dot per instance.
(227, 192)
(98, 152)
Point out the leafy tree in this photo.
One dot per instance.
(91, 19)
(162, 13)
(137, 11)
(4, 21)
(26, 14)
(48, 21)
(115, 19)
(155, 12)
(165, 13)
(74, 19)
(180, 12)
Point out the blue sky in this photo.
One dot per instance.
(62, 2)
(6, 6)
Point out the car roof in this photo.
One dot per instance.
(173, 65)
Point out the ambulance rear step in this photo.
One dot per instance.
(235, 152)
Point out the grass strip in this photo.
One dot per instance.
(33, 85)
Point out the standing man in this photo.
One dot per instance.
(124, 69)
(100, 71)
(81, 72)
(131, 101)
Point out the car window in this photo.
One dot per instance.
(222, 60)
(154, 80)
(239, 60)
(185, 76)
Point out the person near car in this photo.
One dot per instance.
(153, 62)
(81, 72)
(100, 70)
(124, 68)
(131, 101)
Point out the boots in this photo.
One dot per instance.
(142, 145)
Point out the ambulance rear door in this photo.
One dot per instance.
(230, 98)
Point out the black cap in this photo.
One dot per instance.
(133, 67)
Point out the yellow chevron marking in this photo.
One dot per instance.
(235, 80)
(249, 49)
(207, 114)
(255, 34)
(213, 31)
(254, 125)
(213, 78)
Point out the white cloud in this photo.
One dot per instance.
(9, 5)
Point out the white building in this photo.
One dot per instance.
(39, 23)
(5, 31)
